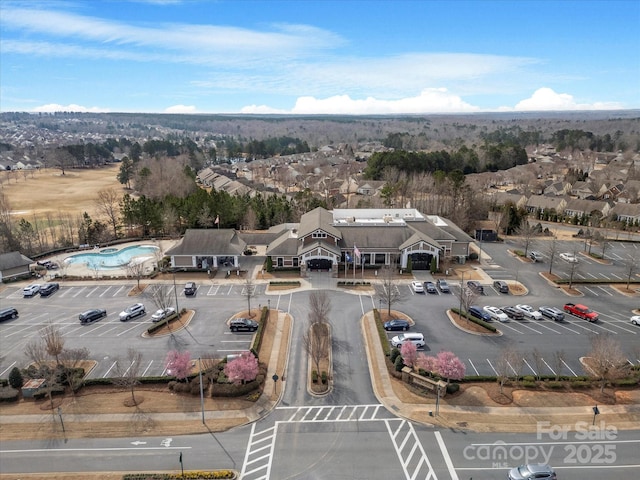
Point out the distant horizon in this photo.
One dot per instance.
(319, 57)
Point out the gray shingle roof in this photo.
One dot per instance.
(317, 218)
(209, 242)
(12, 260)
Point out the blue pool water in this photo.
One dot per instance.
(111, 257)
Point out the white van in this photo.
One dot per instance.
(416, 338)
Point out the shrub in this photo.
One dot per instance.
(580, 384)
(15, 378)
(554, 385)
(314, 376)
(529, 378)
(398, 363)
(626, 382)
(394, 354)
(325, 377)
(453, 388)
(529, 384)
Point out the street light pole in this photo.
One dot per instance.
(175, 291)
(201, 388)
(61, 421)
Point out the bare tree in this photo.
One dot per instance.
(135, 269)
(53, 341)
(526, 232)
(574, 268)
(552, 251)
(538, 361)
(387, 291)
(630, 268)
(71, 359)
(558, 362)
(162, 296)
(62, 159)
(108, 204)
(128, 372)
(466, 297)
(505, 366)
(249, 291)
(606, 361)
(36, 351)
(316, 340)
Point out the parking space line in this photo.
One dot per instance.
(4, 373)
(530, 367)
(570, 369)
(474, 367)
(133, 327)
(119, 290)
(616, 276)
(106, 374)
(230, 290)
(605, 290)
(144, 373)
(91, 292)
(105, 292)
(213, 289)
(548, 366)
(547, 327)
(562, 325)
(590, 291)
(491, 365)
(79, 291)
(511, 328)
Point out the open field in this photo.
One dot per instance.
(49, 191)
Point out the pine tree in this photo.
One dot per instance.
(15, 378)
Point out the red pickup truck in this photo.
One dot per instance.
(581, 311)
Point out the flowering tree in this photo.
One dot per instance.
(428, 363)
(409, 354)
(449, 366)
(242, 369)
(178, 364)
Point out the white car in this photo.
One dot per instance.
(635, 319)
(162, 314)
(496, 313)
(568, 257)
(529, 312)
(417, 287)
(132, 311)
(31, 290)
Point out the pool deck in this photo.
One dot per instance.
(82, 270)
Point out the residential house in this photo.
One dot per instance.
(545, 204)
(579, 207)
(628, 213)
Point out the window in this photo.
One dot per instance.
(319, 234)
(280, 262)
(295, 261)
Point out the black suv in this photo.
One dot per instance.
(243, 325)
(190, 289)
(475, 287)
(92, 315)
(501, 286)
(8, 313)
(48, 288)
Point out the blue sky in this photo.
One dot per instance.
(329, 57)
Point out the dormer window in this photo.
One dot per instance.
(319, 234)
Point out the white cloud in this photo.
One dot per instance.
(72, 107)
(430, 100)
(546, 99)
(181, 109)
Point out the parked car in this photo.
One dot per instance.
(532, 472)
(635, 319)
(513, 313)
(569, 257)
(92, 315)
(31, 290)
(443, 286)
(430, 287)
(529, 312)
(8, 313)
(396, 324)
(417, 287)
(479, 313)
(535, 256)
(501, 286)
(416, 338)
(475, 287)
(243, 325)
(581, 311)
(134, 310)
(48, 264)
(190, 289)
(48, 288)
(552, 312)
(496, 313)
(162, 313)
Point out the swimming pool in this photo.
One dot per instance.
(111, 257)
